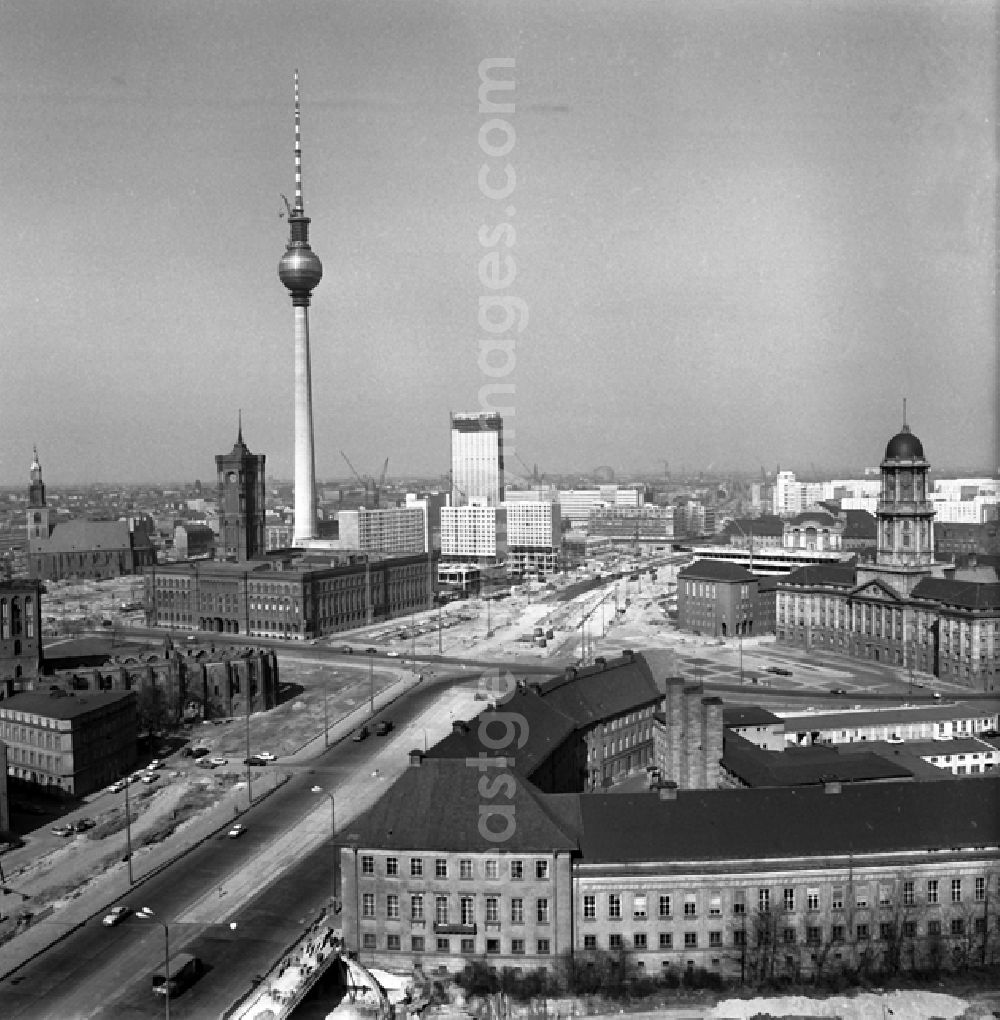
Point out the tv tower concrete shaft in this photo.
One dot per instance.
(300, 270)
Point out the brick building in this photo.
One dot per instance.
(20, 633)
(716, 598)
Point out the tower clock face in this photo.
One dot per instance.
(231, 477)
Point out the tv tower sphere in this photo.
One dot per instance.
(300, 269)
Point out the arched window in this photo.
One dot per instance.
(4, 619)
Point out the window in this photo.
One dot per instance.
(639, 940)
(492, 870)
(788, 935)
(589, 941)
(763, 900)
(739, 901)
(933, 929)
(368, 905)
(544, 947)
(393, 942)
(542, 910)
(909, 929)
(980, 892)
(469, 945)
(690, 940)
(885, 896)
(464, 868)
(417, 943)
(517, 870)
(956, 890)
(715, 938)
(812, 899)
(589, 908)
(517, 911)
(517, 946)
(908, 895)
(416, 867)
(492, 909)
(440, 909)
(664, 909)
(444, 945)
(666, 940)
(837, 933)
(814, 935)
(467, 910)
(367, 864)
(715, 905)
(639, 906)
(614, 906)
(690, 905)
(541, 869)
(739, 938)
(837, 898)
(368, 941)
(861, 897)
(957, 926)
(887, 931)
(615, 941)
(417, 907)
(392, 906)
(788, 899)
(932, 890)
(392, 866)
(441, 868)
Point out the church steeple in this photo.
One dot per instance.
(38, 511)
(36, 492)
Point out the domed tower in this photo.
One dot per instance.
(300, 270)
(905, 514)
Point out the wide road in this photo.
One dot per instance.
(105, 972)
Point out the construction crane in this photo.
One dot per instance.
(531, 473)
(372, 487)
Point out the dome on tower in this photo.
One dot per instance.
(300, 269)
(904, 445)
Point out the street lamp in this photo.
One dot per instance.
(147, 914)
(333, 831)
(371, 681)
(128, 830)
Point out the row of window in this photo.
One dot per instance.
(466, 946)
(790, 899)
(466, 868)
(466, 909)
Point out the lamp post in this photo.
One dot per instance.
(440, 650)
(148, 915)
(249, 773)
(371, 681)
(333, 831)
(128, 831)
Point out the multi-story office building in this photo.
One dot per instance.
(69, 743)
(387, 530)
(474, 533)
(477, 459)
(717, 598)
(578, 504)
(534, 537)
(647, 527)
(791, 497)
(526, 872)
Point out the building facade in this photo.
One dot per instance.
(477, 469)
(20, 633)
(386, 530)
(241, 503)
(716, 598)
(474, 533)
(534, 537)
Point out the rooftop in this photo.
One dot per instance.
(62, 706)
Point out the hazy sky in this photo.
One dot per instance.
(744, 231)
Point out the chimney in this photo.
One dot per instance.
(628, 655)
(416, 757)
(667, 789)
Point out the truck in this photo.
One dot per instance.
(184, 971)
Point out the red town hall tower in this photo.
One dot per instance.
(241, 502)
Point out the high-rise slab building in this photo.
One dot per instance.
(300, 270)
(477, 459)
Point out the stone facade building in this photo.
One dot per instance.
(20, 632)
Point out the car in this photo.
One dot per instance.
(779, 671)
(64, 830)
(393, 655)
(237, 830)
(371, 651)
(346, 649)
(219, 761)
(155, 764)
(383, 726)
(115, 916)
(150, 779)
(254, 760)
(267, 756)
(894, 739)
(205, 763)
(361, 734)
(117, 787)
(83, 824)
(199, 752)
(937, 695)
(838, 690)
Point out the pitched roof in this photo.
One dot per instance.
(790, 822)
(961, 594)
(860, 524)
(835, 575)
(716, 570)
(816, 517)
(746, 527)
(438, 806)
(748, 715)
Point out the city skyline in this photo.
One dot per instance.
(744, 234)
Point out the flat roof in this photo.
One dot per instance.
(62, 706)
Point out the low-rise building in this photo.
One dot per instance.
(716, 598)
(71, 744)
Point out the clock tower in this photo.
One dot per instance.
(241, 502)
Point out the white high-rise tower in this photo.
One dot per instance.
(300, 270)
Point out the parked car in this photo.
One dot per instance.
(237, 830)
(346, 649)
(779, 670)
(83, 824)
(115, 916)
(117, 787)
(267, 756)
(383, 726)
(150, 779)
(254, 760)
(63, 830)
(393, 655)
(838, 690)
(219, 761)
(361, 734)
(205, 763)
(155, 764)
(371, 651)
(199, 752)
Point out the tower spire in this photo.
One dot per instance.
(299, 208)
(239, 435)
(904, 412)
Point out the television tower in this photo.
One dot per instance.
(300, 270)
